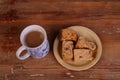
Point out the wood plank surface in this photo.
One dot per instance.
(103, 17)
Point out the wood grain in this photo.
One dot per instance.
(103, 17)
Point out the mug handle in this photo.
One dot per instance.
(22, 48)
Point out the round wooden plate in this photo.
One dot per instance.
(89, 35)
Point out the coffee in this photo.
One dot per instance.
(34, 39)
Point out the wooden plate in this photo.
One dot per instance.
(89, 35)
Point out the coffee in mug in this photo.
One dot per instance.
(33, 39)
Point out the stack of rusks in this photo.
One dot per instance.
(76, 48)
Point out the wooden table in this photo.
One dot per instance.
(103, 17)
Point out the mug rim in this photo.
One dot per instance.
(22, 35)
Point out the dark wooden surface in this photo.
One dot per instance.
(103, 17)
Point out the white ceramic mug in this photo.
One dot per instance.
(37, 52)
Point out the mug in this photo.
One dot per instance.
(39, 51)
